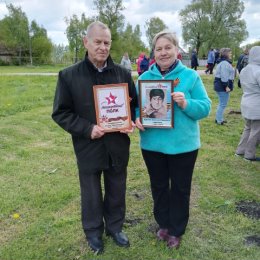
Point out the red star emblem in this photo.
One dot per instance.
(111, 99)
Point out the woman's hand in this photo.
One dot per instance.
(179, 98)
(228, 89)
(130, 130)
(139, 124)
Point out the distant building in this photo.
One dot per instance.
(6, 55)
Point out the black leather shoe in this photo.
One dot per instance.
(221, 123)
(120, 238)
(96, 244)
(256, 159)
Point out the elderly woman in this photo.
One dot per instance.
(223, 83)
(170, 154)
(250, 109)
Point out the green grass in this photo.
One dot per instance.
(39, 181)
(38, 69)
(31, 69)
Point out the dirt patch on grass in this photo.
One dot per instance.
(250, 209)
(153, 227)
(138, 195)
(132, 221)
(253, 240)
(234, 112)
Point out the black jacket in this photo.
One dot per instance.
(74, 111)
(194, 60)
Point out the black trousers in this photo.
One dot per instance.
(170, 177)
(210, 68)
(100, 211)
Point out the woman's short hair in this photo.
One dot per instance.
(171, 36)
(156, 92)
(224, 52)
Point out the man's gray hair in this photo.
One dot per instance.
(224, 52)
(171, 36)
(96, 24)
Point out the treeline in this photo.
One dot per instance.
(205, 24)
(18, 38)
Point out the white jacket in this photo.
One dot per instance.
(250, 82)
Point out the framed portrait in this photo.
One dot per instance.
(156, 104)
(112, 106)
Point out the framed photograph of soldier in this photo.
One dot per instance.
(156, 104)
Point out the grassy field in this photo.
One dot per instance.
(40, 204)
(37, 69)
(31, 69)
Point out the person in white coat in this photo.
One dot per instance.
(125, 62)
(250, 106)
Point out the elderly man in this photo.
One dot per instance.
(96, 151)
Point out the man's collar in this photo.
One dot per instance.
(101, 69)
(108, 64)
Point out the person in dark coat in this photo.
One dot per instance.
(194, 60)
(210, 61)
(96, 151)
(241, 64)
(217, 59)
(144, 65)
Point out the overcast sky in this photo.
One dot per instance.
(50, 14)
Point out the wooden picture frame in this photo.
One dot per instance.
(112, 106)
(156, 104)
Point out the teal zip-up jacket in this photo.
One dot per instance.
(185, 136)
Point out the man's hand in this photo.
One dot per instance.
(97, 132)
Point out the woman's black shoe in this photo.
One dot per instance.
(221, 123)
(256, 159)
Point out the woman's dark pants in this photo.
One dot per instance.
(170, 177)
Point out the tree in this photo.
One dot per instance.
(15, 35)
(130, 42)
(137, 42)
(16, 30)
(250, 45)
(154, 25)
(75, 31)
(41, 50)
(61, 54)
(41, 45)
(218, 23)
(37, 31)
(109, 13)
